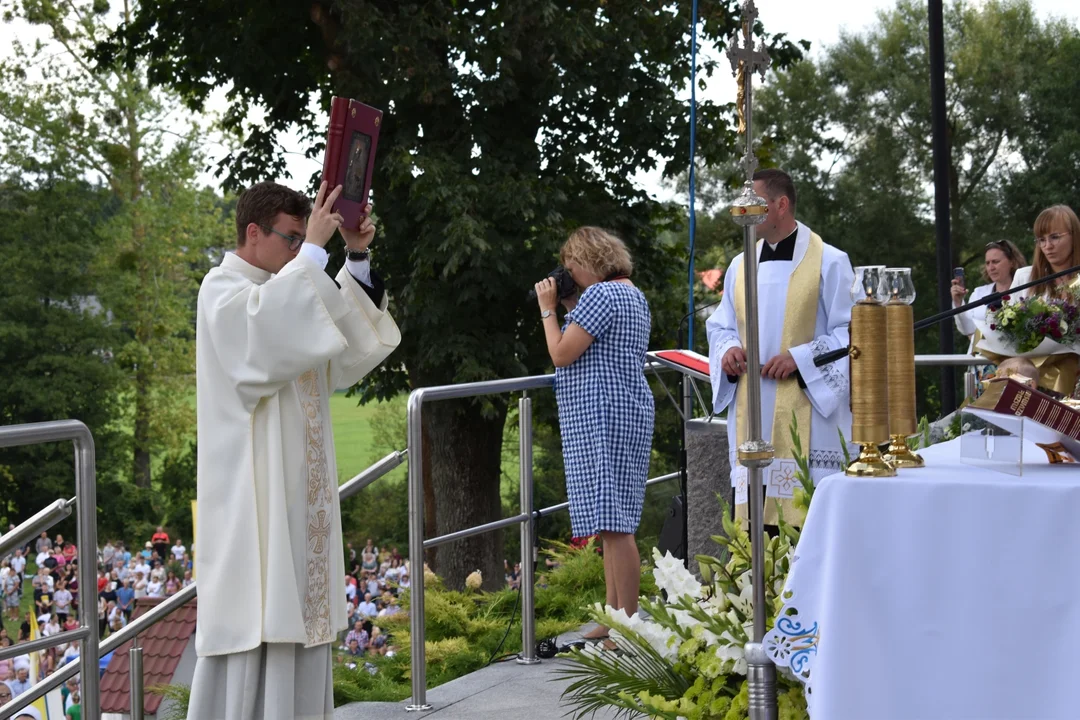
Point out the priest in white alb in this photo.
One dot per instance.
(804, 309)
(275, 336)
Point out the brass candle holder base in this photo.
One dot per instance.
(870, 463)
(899, 455)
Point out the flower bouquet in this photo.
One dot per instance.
(1031, 326)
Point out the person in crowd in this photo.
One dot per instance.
(358, 635)
(159, 542)
(125, 598)
(21, 682)
(43, 543)
(52, 625)
(377, 643)
(140, 585)
(18, 564)
(7, 667)
(606, 410)
(70, 553)
(172, 585)
(1000, 262)
(62, 599)
(275, 335)
(155, 588)
(108, 554)
(369, 558)
(178, 550)
(367, 607)
(11, 589)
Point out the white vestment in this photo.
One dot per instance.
(270, 350)
(826, 386)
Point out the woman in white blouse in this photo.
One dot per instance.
(1002, 260)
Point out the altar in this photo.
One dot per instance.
(947, 592)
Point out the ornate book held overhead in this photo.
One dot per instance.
(350, 156)
(1058, 422)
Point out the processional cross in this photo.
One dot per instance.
(755, 454)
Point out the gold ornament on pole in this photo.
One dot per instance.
(869, 375)
(896, 285)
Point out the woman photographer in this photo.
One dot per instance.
(605, 405)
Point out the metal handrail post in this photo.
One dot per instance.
(528, 531)
(135, 678)
(86, 495)
(39, 523)
(371, 474)
(416, 552)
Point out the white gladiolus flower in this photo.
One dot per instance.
(665, 642)
(673, 578)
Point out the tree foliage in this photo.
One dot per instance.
(506, 125)
(55, 340)
(82, 118)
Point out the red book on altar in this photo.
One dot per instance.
(1059, 421)
(350, 156)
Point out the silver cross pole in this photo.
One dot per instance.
(749, 211)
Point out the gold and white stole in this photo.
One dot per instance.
(800, 321)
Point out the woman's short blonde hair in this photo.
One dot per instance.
(597, 251)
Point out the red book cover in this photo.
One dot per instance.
(1057, 423)
(350, 155)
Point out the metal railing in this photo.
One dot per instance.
(85, 499)
(525, 518)
(86, 502)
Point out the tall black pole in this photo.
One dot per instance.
(941, 196)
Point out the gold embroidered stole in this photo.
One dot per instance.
(800, 321)
(317, 620)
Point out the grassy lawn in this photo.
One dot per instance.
(354, 440)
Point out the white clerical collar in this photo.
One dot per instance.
(234, 262)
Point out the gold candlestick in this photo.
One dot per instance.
(869, 378)
(900, 334)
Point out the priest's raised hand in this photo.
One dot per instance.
(324, 222)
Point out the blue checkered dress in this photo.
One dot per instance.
(606, 411)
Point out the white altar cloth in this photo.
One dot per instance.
(947, 592)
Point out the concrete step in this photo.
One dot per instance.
(500, 691)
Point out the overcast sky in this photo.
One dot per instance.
(819, 21)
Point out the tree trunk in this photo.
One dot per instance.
(466, 464)
(141, 466)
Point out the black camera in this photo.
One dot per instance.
(564, 284)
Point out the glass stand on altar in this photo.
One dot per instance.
(994, 441)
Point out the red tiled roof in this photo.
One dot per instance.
(163, 644)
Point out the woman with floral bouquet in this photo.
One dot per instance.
(1057, 248)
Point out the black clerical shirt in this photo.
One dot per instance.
(785, 249)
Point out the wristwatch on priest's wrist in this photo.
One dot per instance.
(357, 254)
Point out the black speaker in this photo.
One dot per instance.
(672, 536)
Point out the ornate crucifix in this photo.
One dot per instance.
(748, 211)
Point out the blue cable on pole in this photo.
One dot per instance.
(693, 152)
